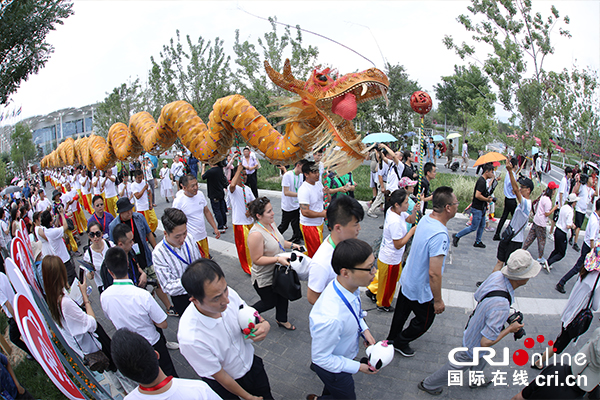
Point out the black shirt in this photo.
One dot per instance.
(408, 171)
(141, 258)
(215, 182)
(480, 186)
(549, 391)
(425, 189)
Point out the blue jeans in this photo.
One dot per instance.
(478, 224)
(219, 208)
(337, 385)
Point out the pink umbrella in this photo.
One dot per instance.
(14, 179)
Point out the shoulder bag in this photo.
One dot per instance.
(582, 321)
(286, 282)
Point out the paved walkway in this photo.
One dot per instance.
(287, 354)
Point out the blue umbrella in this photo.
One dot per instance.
(408, 134)
(437, 138)
(379, 137)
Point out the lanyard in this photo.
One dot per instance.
(273, 236)
(177, 255)
(103, 223)
(162, 384)
(133, 278)
(296, 181)
(122, 283)
(330, 240)
(131, 220)
(350, 308)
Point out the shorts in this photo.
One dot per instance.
(578, 220)
(555, 215)
(506, 249)
(374, 181)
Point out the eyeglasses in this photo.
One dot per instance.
(372, 269)
(95, 234)
(452, 204)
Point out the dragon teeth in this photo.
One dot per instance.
(365, 88)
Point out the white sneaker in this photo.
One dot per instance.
(371, 215)
(172, 345)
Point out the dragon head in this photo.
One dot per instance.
(335, 100)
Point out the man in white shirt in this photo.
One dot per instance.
(465, 156)
(86, 190)
(337, 324)
(211, 340)
(344, 215)
(172, 256)
(110, 192)
(44, 203)
(137, 360)
(310, 198)
(194, 205)
(134, 308)
(143, 201)
(290, 209)
(589, 241)
(563, 191)
(586, 192)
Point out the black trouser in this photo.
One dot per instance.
(292, 217)
(510, 205)
(270, 299)
(255, 382)
(219, 208)
(585, 249)
(15, 335)
(560, 246)
(421, 322)
(164, 361)
(180, 303)
(337, 385)
(252, 182)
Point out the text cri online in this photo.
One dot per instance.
(552, 380)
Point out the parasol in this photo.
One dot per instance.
(437, 138)
(490, 157)
(453, 135)
(379, 137)
(411, 133)
(16, 178)
(10, 189)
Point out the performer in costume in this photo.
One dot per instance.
(86, 188)
(110, 192)
(166, 185)
(312, 214)
(143, 200)
(240, 195)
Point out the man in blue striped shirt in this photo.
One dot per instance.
(485, 327)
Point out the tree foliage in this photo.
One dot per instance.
(118, 106)
(23, 47)
(23, 150)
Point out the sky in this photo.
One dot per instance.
(106, 43)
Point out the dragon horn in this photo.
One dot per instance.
(285, 80)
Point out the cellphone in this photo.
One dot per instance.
(87, 265)
(81, 274)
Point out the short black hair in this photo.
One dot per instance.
(120, 232)
(134, 356)
(442, 196)
(349, 253)
(46, 219)
(172, 218)
(428, 167)
(514, 161)
(568, 170)
(397, 197)
(406, 155)
(342, 209)
(597, 204)
(117, 262)
(97, 197)
(487, 167)
(307, 166)
(197, 274)
(184, 180)
(138, 172)
(94, 223)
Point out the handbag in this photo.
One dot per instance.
(509, 233)
(286, 282)
(582, 321)
(96, 361)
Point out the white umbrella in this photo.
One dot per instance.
(453, 135)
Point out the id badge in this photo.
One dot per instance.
(105, 236)
(136, 248)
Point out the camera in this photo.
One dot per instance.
(517, 316)
(494, 199)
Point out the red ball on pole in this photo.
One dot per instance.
(421, 102)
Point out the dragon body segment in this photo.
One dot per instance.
(320, 112)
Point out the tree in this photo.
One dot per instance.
(516, 37)
(118, 106)
(464, 94)
(199, 74)
(22, 150)
(23, 47)
(250, 78)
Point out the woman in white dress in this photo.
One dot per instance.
(166, 185)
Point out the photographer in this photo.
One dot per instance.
(486, 325)
(481, 198)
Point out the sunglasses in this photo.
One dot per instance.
(95, 234)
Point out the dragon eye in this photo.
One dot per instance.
(322, 78)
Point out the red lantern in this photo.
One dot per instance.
(420, 102)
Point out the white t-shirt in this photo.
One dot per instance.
(465, 150)
(97, 259)
(110, 189)
(585, 196)
(313, 196)
(97, 185)
(188, 389)
(293, 183)
(43, 205)
(591, 231)
(57, 244)
(211, 344)
(128, 193)
(75, 182)
(141, 204)
(320, 271)
(394, 228)
(7, 294)
(68, 197)
(5, 234)
(565, 218)
(134, 308)
(84, 182)
(193, 208)
(238, 207)
(392, 178)
(564, 189)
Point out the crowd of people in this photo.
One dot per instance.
(133, 271)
